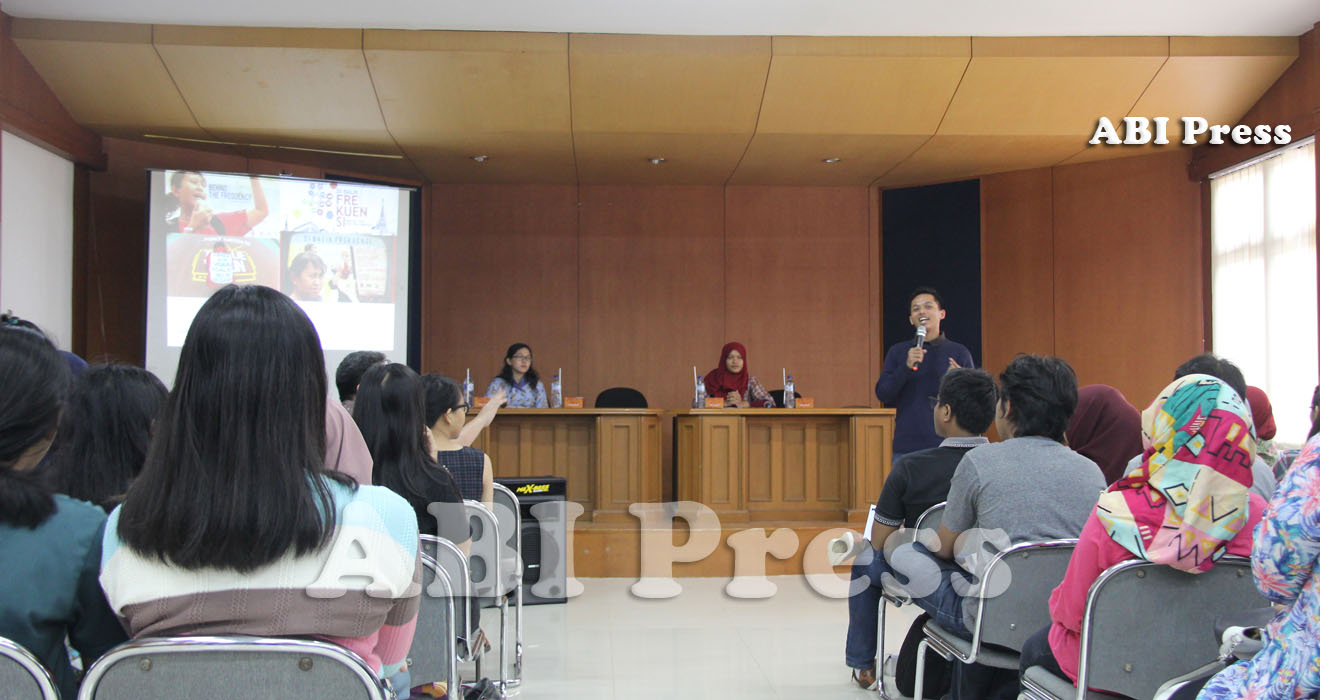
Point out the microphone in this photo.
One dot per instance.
(921, 340)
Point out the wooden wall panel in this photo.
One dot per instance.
(799, 287)
(1127, 242)
(652, 289)
(499, 266)
(1017, 266)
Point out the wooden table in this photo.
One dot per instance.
(783, 464)
(610, 456)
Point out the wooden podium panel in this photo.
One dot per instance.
(610, 456)
(777, 464)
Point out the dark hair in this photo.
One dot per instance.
(349, 373)
(506, 372)
(176, 177)
(34, 380)
(1217, 367)
(1042, 395)
(971, 394)
(1315, 424)
(939, 300)
(104, 434)
(302, 261)
(226, 481)
(389, 412)
(441, 394)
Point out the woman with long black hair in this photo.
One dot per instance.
(104, 433)
(50, 545)
(235, 526)
(389, 411)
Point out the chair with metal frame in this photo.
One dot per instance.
(489, 582)
(450, 559)
(222, 668)
(509, 515)
(22, 676)
(433, 656)
(929, 519)
(1012, 597)
(1175, 612)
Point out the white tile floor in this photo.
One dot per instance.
(702, 644)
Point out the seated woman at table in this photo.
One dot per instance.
(519, 380)
(732, 382)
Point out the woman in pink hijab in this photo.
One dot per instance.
(1106, 429)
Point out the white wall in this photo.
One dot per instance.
(36, 236)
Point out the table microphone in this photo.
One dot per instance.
(921, 340)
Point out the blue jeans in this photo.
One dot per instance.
(944, 604)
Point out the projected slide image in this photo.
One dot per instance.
(338, 249)
(338, 268)
(199, 265)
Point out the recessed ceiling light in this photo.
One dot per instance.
(829, 161)
(656, 160)
(481, 159)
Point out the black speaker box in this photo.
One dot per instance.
(544, 536)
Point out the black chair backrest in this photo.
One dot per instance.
(778, 396)
(621, 397)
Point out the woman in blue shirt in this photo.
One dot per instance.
(519, 380)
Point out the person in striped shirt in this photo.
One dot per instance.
(235, 525)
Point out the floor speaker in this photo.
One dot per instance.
(541, 501)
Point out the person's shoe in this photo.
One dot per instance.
(864, 678)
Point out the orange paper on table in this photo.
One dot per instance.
(714, 402)
(804, 402)
(572, 402)
(480, 401)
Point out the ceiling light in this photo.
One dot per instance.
(829, 161)
(481, 158)
(266, 145)
(655, 160)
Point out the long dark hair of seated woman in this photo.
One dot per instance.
(105, 431)
(231, 479)
(34, 381)
(390, 412)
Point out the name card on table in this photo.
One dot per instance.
(572, 402)
(480, 401)
(805, 402)
(714, 402)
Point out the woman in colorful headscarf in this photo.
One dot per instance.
(1105, 428)
(732, 382)
(1202, 443)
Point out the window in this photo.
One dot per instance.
(1263, 279)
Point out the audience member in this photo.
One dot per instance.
(235, 526)
(104, 433)
(911, 375)
(50, 545)
(390, 413)
(1262, 416)
(1263, 482)
(349, 373)
(345, 450)
(733, 382)
(1284, 558)
(518, 381)
(446, 418)
(1106, 429)
(1201, 440)
(1028, 488)
(964, 409)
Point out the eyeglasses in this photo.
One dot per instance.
(934, 401)
(461, 407)
(522, 357)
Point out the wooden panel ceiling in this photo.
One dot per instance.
(559, 108)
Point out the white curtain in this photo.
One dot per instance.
(1263, 276)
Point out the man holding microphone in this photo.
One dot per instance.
(910, 380)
